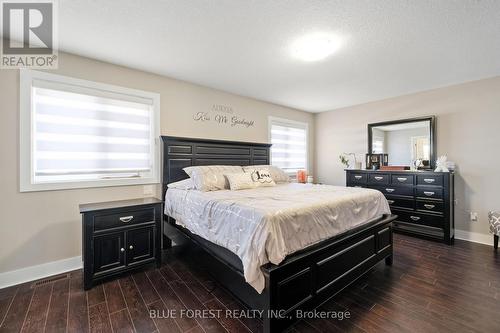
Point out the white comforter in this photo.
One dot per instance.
(268, 223)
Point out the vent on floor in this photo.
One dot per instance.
(49, 280)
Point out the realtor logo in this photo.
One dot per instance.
(29, 37)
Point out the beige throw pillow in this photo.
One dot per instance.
(211, 177)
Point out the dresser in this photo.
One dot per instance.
(423, 200)
(119, 236)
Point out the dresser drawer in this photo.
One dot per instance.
(420, 219)
(124, 219)
(434, 180)
(378, 178)
(358, 178)
(402, 180)
(401, 203)
(395, 190)
(430, 192)
(430, 206)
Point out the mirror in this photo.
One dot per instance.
(404, 142)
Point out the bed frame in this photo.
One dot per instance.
(303, 281)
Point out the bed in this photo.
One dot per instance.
(298, 275)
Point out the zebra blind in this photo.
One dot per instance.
(87, 134)
(289, 145)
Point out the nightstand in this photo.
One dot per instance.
(119, 236)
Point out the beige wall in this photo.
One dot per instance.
(468, 131)
(41, 227)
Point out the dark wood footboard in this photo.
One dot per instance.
(307, 281)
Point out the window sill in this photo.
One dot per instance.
(28, 187)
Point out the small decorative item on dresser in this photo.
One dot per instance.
(441, 164)
(494, 218)
(301, 176)
(376, 161)
(310, 179)
(344, 160)
(120, 236)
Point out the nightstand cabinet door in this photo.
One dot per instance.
(109, 252)
(140, 245)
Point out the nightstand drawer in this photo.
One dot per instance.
(379, 179)
(124, 219)
(433, 180)
(402, 180)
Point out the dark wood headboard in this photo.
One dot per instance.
(179, 153)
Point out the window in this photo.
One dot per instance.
(289, 144)
(77, 133)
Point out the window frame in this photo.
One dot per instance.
(292, 123)
(26, 172)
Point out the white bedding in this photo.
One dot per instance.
(266, 224)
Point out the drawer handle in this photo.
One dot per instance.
(122, 250)
(126, 219)
(379, 178)
(131, 247)
(390, 190)
(401, 179)
(429, 194)
(391, 202)
(429, 180)
(429, 206)
(358, 177)
(415, 218)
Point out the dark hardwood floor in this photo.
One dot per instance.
(430, 288)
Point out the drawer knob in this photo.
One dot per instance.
(429, 194)
(429, 206)
(415, 218)
(429, 180)
(390, 190)
(358, 177)
(131, 247)
(390, 202)
(126, 219)
(379, 178)
(122, 250)
(402, 179)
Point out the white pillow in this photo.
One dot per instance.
(261, 177)
(240, 181)
(211, 177)
(186, 184)
(278, 174)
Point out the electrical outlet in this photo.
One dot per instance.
(148, 190)
(473, 217)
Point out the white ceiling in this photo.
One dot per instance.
(390, 47)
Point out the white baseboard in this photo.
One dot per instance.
(32, 273)
(474, 237)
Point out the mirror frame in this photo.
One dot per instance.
(432, 124)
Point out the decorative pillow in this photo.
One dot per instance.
(278, 174)
(186, 184)
(240, 181)
(261, 177)
(211, 177)
(494, 223)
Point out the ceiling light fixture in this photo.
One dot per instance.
(315, 47)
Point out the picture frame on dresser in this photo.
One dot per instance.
(422, 200)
